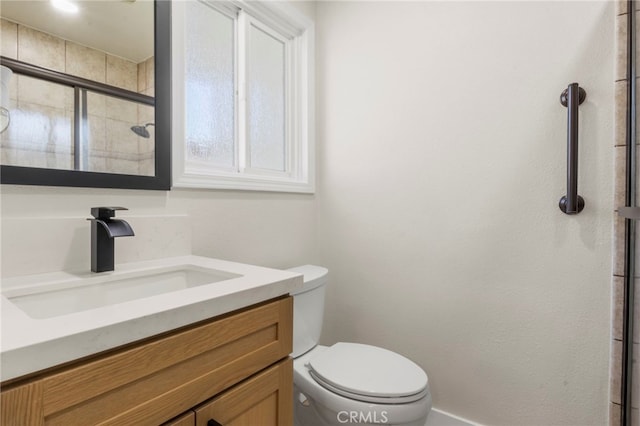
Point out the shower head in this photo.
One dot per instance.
(142, 130)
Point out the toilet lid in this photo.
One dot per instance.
(365, 372)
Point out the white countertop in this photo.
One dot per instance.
(29, 345)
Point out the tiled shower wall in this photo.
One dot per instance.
(41, 130)
(621, 85)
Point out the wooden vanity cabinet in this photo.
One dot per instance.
(233, 369)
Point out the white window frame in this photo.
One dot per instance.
(284, 22)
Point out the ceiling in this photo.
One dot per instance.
(122, 28)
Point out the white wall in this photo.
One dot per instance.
(443, 147)
(44, 228)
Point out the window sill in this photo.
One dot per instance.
(244, 183)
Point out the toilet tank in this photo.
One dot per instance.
(308, 308)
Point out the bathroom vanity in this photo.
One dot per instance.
(233, 367)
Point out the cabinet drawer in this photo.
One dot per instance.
(265, 399)
(150, 383)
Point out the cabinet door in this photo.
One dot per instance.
(265, 399)
(22, 406)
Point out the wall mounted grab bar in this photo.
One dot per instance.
(571, 97)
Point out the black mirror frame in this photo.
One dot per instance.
(162, 180)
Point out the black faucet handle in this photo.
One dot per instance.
(105, 212)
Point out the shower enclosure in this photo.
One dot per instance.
(629, 213)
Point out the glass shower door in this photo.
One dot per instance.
(630, 335)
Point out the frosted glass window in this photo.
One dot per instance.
(245, 97)
(209, 85)
(266, 101)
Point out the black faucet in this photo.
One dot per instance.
(103, 231)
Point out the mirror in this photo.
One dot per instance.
(85, 93)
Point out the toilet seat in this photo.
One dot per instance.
(368, 373)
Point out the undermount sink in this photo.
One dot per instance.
(53, 318)
(57, 298)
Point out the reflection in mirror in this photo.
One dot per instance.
(79, 87)
(5, 78)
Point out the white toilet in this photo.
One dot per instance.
(349, 383)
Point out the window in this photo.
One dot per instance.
(243, 96)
